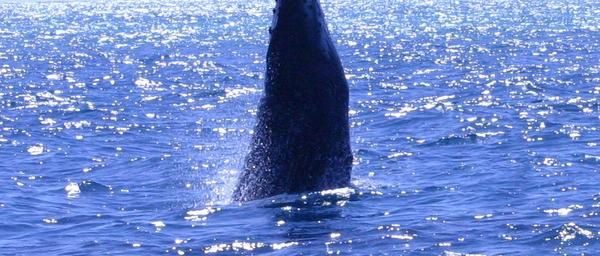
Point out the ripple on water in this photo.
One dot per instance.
(36, 149)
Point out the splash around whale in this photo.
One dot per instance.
(301, 139)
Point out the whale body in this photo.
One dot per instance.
(301, 139)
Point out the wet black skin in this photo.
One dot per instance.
(301, 139)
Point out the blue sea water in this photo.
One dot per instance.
(475, 129)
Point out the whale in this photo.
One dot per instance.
(301, 140)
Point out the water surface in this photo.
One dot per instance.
(475, 129)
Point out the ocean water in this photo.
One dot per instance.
(475, 129)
